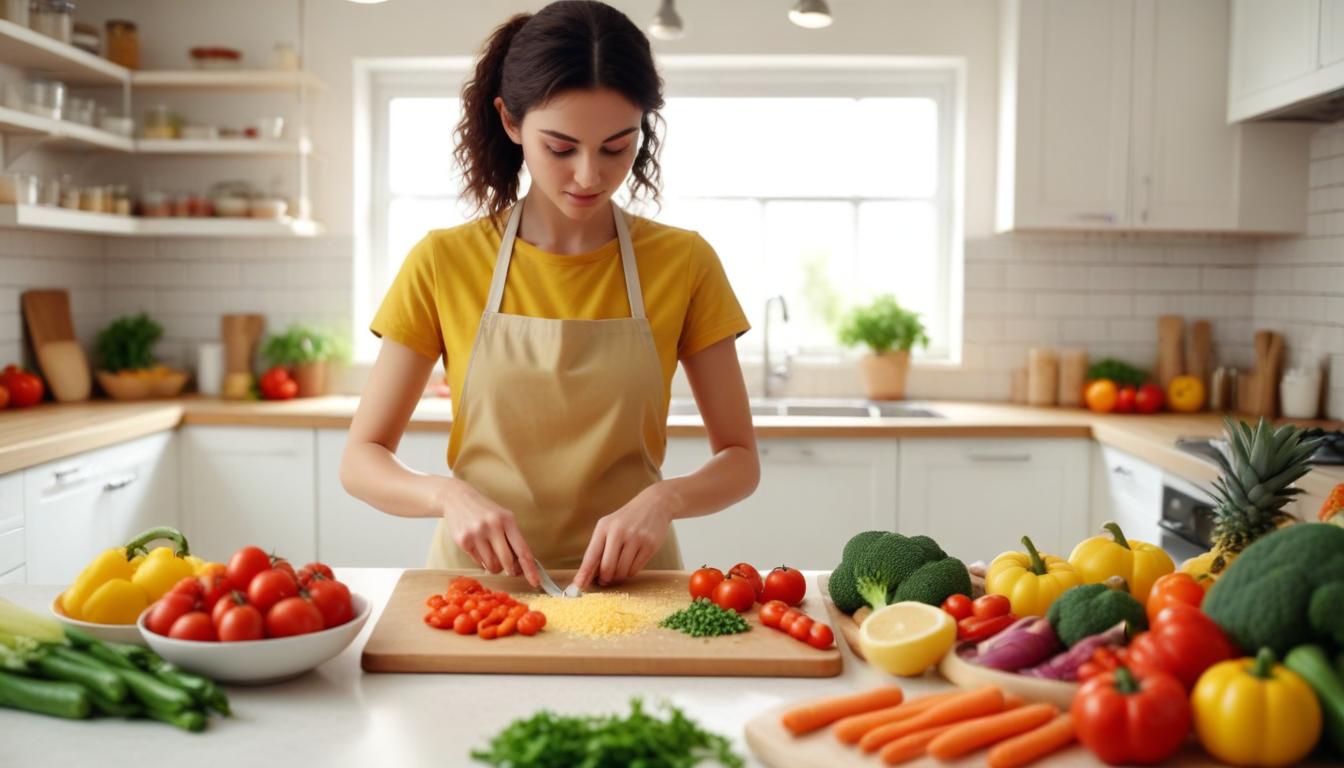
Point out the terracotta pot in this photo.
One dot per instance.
(312, 379)
(884, 374)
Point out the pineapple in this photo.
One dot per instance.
(1255, 485)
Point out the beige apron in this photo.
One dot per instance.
(562, 419)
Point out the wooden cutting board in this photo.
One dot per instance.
(402, 642)
(47, 313)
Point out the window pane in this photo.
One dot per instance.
(420, 146)
(736, 231)
(899, 151)
(810, 254)
(898, 254)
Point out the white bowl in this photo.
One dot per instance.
(258, 662)
(115, 633)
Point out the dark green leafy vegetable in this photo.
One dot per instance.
(127, 343)
(548, 740)
(702, 618)
(1118, 371)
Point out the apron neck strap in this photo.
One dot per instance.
(632, 287)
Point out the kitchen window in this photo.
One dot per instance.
(825, 179)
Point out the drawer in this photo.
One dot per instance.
(11, 550)
(16, 576)
(1132, 482)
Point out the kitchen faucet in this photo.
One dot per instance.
(784, 371)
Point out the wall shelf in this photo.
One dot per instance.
(66, 220)
(62, 133)
(22, 47)
(240, 80)
(223, 147)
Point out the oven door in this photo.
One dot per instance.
(1187, 521)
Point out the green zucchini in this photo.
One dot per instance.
(1313, 665)
(57, 698)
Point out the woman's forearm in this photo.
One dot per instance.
(374, 475)
(730, 476)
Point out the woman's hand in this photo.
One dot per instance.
(625, 540)
(486, 531)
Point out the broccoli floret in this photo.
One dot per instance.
(881, 566)
(1284, 590)
(934, 582)
(843, 591)
(859, 542)
(1091, 609)
(931, 549)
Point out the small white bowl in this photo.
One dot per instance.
(115, 633)
(259, 662)
(231, 207)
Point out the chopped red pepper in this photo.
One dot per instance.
(974, 629)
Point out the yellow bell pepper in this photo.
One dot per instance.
(129, 568)
(1254, 712)
(160, 571)
(1137, 562)
(1031, 581)
(1200, 568)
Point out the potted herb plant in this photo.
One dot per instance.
(127, 368)
(306, 350)
(890, 332)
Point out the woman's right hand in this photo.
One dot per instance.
(487, 532)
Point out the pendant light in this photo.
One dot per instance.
(666, 24)
(811, 14)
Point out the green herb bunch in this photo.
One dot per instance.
(1118, 371)
(300, 344)
(883, 326)
(702, 618)
(127, 343)
(548, 740)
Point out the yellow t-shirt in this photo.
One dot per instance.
(435, 303)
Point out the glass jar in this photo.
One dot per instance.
(46, 98)
(123, 43)
(91, 199)
(53, 18)
(70, 197)
(160, 123)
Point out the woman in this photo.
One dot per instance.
(560, 320)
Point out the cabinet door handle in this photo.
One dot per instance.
(1004, 458)
(61, 474)
(1123, 471)
(117, 484)
(802, 452)
(1108, 218)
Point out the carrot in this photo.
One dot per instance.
(1031, 746)
(971, 735)
(819, 714)
(912, 745)
(852, 728)
(962, 706)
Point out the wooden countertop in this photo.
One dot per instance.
(48, 432)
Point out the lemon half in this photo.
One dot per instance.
(907, 638)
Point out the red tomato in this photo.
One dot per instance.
(772, 612)
(4, 396)
(704, 580)
(800, 628)
(753, 577)
(272, 384)
(281, 564)
(194, 625)
(292, 616)
(958, 606)
(529, 624)
(307, 572)
(246, 563)
(167, 610)
(1174, 588)
(821, 637)
(188, 586)
(332, 599)
(270, 587)
(225, 604)
(989, 606)
(1125, 399)
(242, 622)
(24, 388)
(214, 585)
(465, 624)
(785, 584)
(735, 594)
(786, 620)
(1149, 399)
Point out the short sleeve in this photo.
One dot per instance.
(409, 314)
(712, 313)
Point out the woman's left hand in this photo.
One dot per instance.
(625, 540)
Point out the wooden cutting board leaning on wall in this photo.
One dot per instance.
(52, 333)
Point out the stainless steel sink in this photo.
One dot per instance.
(860, 409)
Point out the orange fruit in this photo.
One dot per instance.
(1101, 395)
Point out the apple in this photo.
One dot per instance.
(1149, 399)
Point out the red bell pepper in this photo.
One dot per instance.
(977, 629)
(1126, 719)
(1181, 641)
(1174, 588)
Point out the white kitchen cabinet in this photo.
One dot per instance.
(11, 522)
(350, 532)
(249, 485)
(76, 507)
(16, 576)
(1112, 117)
(1284, 53)
(979, 497)
(813, 495)
(1127, 490)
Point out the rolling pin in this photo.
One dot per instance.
(1170, 348)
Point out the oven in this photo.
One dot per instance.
(1187, 519)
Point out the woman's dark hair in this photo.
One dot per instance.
(570, 44)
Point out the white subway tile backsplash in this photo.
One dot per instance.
(1061, 304)
(1112, 278)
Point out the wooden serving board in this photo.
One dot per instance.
(402, 642)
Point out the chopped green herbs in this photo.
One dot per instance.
(705, 619)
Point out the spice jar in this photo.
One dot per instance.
(53, 18)
(123, 43)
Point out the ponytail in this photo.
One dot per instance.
(490, 160)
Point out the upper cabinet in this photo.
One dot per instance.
(1285, 53)
(1112, 117)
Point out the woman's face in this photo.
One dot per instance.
(578, 147)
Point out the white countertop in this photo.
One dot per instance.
(340, 715)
